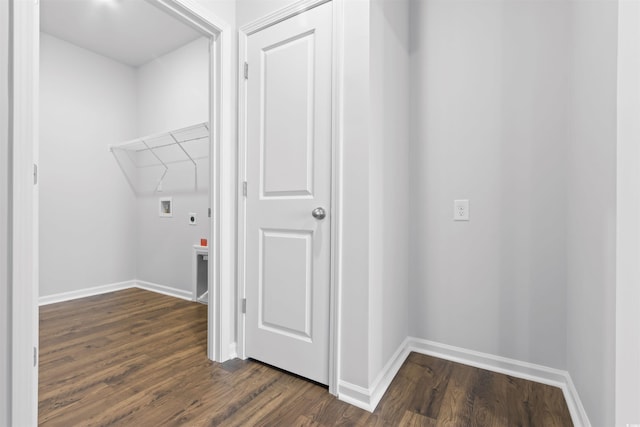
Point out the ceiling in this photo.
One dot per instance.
(133, 32)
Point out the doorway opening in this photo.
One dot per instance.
(128, 77)
(26, 29)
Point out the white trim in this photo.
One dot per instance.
(502, 365)
(24, 39)
(233, 353)
(195, 14)
(336, 173)
(368, 398)
(355, 395)
(515, 368)
(83, 293)
(280, 15)
(388, 373)
(163, 289)
(222, 261)
(337, 102)
(627, 324)
(226, 220)
(114, 287)
(576, 409)
(241, 200)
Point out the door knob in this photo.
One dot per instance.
(318, 213)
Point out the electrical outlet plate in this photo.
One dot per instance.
(461, 210)
(193, 218)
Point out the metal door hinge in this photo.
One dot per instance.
(246, 70)
(209, 213)
(244, 305)
(244, 188)
(35, 174)
(35, 356)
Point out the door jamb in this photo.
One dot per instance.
(336, 172)
(221, 272)
(24, 106)
(23, 216)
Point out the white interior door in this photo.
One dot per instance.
(288, 179)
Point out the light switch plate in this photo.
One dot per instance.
(461, 210)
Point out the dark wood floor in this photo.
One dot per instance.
(135, 358)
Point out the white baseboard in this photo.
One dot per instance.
(83, 293)
(388, 373)
(515, 368)
(113, 287)
(368, 398)
(490, 362)
(355, 395)
(165, 290)
(578, 413)
(233, 350)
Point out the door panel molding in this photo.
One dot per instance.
(270, 319)
(273, 138)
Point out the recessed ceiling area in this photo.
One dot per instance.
(132, 32)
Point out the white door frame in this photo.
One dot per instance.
(23, 225)
(24, 106)
(336, 171)
(221, 274)
(627, 362)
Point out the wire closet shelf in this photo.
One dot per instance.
(146, 161)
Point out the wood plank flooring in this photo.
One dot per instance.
(136, 358)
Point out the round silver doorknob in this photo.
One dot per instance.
(319, 213)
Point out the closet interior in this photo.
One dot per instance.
(124, 151)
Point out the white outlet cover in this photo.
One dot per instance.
(193, 218)
(461, 210)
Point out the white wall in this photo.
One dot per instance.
(5, 309)
(108, 234)
(389, 181)
(173, 92)
(87, 210)
(489, 100)
(224, 10)
(165, 245)
(628, 217)
(523, 123)
(591, 207)
(251, 10)
(355, 221)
